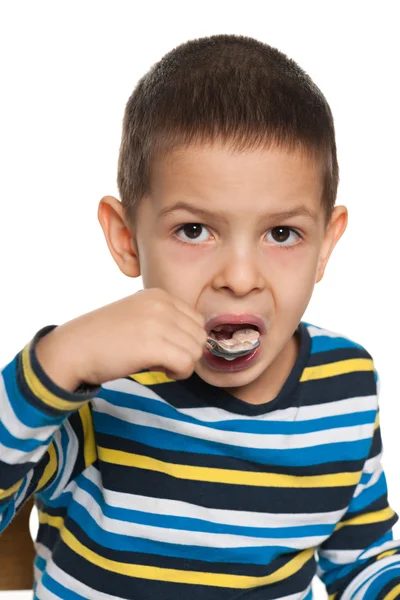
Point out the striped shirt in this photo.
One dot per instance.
(154, 489)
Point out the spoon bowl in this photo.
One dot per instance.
(216, 349)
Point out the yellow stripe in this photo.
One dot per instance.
(376, 422)
(45, 519)
(372, 517)
(151, 378)
(387, 553)
(394, 593)
(39, 390)
(50, 468)
(337, 368)
(11, 490)
(127, 459)
(332, 596)
(89, 444)
(180, 576)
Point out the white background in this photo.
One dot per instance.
(67, 70)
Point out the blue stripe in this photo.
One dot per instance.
(322, 343)
(25, 445)
(270, 426)
(40, 563)
(24, 410)
(158, 438)
(368, 495)
(7, 515)
(258, 555)
(195, 524)
(59, 590)
(336, 571)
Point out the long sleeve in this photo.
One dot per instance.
(45, 431)
(360, 560)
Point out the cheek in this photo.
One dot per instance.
(294, 278)
(174, 275)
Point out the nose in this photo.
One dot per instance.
(239, 270)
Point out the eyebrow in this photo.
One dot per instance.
(206, 214)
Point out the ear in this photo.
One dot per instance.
(333, 232)
(120, 240)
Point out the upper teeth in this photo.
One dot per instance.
(229, 327)
(226, 327)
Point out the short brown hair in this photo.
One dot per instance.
(231, 88)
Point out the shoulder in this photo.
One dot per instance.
(336, 353)
(325, 340)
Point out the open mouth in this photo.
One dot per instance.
(226, 331)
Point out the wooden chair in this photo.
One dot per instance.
(17, 553)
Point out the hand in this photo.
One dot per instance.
(148, 328)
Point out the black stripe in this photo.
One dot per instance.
(354, 537)
(76, 423)
(336, 355)
(10, 474)
(131, 480)
(53, 511)
(376, 444)
(339, 387)
(48, 536)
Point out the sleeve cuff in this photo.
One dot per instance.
(41, 390)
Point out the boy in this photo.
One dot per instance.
(160, 470)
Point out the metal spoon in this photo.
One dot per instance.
(216, 349)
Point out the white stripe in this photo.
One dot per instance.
(319, 331)
(20, 498)
(345, 557)
(375, 568)
(236, 438)
(37, 573)
(297, 595)
(14, 426)
(178, 508)
(185, 537)
(211, 413)
(45, 593)
(303, 413)
(67, 463)
(372, 481)
(372, 463)
(12, 456)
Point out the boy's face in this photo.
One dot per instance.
(243, 256)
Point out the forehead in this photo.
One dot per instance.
(217, 172)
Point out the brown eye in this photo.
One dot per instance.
(283, 236)
(192, 231)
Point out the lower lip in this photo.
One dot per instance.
(228, 366)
